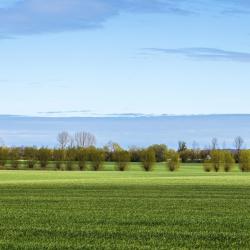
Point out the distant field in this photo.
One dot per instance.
(187, 209)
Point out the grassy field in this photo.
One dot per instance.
(187, 209)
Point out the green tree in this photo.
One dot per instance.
(30, 155)
(228, 161)
(244, 160)
(173, 160)
(97, 157)
(160, 152)
(81, 157)
(207, 165)
(4, 154)
(122, 159)
(58, 157)
(148, 159)
(44, 155)
(217, 159)
(14, 157)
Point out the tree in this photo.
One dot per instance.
(217, 159)
(97, 158)
(228, 161)
(63, 139)
(81, 157)
(58, 157)
(14, 157)
(238, 144)
(84, 139)
(148, 159)
(207, 165)
(122, 159)
(244, 160)
(44, 155)
(214, 143)
(173, 161)
(160, 152)
(30, 155)
(4, 153)
(182, 146)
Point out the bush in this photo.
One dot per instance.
(244, 160)
(122, 159)
(14, 157)
(217, 159)
(97, 157)
(4, 152)
(81, 157)
(148, 159)
(228, 161)
(160, 152)
(44, 155)
(173, 161)
(207, 166)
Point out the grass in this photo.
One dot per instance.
(188, 209)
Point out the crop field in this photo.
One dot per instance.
(188, 209)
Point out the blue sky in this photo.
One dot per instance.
(92, 57)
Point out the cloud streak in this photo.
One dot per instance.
(39, 16)
(24, 17)
(211, 54)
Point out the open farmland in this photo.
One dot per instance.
(125, 210)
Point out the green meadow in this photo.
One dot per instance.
(188, 209)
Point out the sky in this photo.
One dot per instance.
(124, 57)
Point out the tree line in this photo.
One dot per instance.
(79, 149)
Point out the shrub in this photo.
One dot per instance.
(122, 159)
(217, 159)
(244, 160)
(160, 152)
(97, 157)
(207, 166)
(14, 157)
(148, 159)
(228, 161)
(173, 161)
(44, 155)
(81, 157)
(3, 156)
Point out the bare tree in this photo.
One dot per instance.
(214, 143)
(238, 143)
(63, 139)
(84, 139)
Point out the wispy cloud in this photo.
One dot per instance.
(20, 17)
(212, 54)
(65, 112)
(38, 16)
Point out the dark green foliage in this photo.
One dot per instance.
(122, 159)
(148, 159)
(182, 146)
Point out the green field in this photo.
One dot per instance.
(187, 209)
